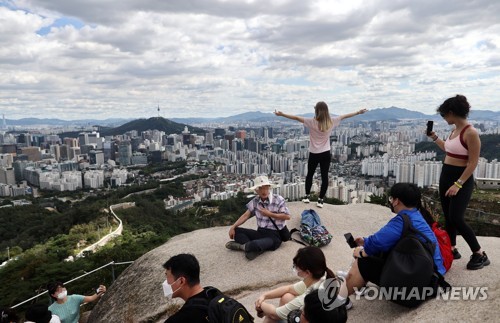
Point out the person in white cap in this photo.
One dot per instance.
(271, 213)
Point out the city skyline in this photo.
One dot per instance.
(221, 58)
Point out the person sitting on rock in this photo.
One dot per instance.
(183, 280)
(310, 265)
(271, 213)
(371, 253)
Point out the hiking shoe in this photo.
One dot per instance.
(233, 245)
(251, 255)
(306, 199)
(348, 303)
(319, 203)
(478, 261)
(456, 254)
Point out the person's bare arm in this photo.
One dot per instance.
(352, 114)
(242, 219)
(289, 116)
(88, 299)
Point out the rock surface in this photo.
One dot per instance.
(137, 295)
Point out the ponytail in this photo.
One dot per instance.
(330, 273)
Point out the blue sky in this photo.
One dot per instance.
(206, 58)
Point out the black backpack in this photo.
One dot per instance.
(410, 268)
(221, 308)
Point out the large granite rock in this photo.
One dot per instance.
(137, 294)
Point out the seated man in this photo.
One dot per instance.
(183, 281)
(271, 213)
(368, 264)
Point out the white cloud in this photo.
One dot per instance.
(217, 58)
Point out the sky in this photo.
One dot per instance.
(102, 59)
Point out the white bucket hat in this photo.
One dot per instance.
(260, 181)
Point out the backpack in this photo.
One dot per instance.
(221, 308)
(444, 245)
(409, 269)
(311, 230)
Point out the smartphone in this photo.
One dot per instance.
(350, 240)
(430, 124)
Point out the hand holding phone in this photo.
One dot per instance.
(350, 240)
(430, 125)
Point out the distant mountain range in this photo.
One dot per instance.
(392, 113)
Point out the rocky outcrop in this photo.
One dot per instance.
(137, 295)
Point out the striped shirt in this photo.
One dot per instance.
(275, 204)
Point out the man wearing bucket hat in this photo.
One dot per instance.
(270, 211)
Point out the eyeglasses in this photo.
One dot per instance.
(442, 114)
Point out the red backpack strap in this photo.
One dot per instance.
(462, 137)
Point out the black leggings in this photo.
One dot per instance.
(323, 159)
(454, 207)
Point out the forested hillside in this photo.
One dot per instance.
(40, 239)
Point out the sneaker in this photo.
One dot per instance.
(233, 245)
(251, 255)
(348, 303)
(456, 254)
(319, 203)
(478, 261)
(306, 199)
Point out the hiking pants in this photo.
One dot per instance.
(454, 206)
(260, 240)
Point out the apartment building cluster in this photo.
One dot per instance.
(279, 150)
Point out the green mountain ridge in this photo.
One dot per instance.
(154, 123)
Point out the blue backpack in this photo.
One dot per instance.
(311, 231)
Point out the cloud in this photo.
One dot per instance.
(100, 59)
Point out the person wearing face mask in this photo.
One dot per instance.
(182, 273)
(309, 264)
(67, 307)
(271, 213)
(370, 255)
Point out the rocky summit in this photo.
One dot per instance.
(137, 294)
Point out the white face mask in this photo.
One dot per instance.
(62, 295)
(167, 289)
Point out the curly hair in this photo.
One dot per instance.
(458, 105)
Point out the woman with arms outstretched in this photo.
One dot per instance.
(320, 128)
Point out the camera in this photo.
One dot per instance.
(350, 240)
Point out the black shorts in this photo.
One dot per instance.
(370, 268)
